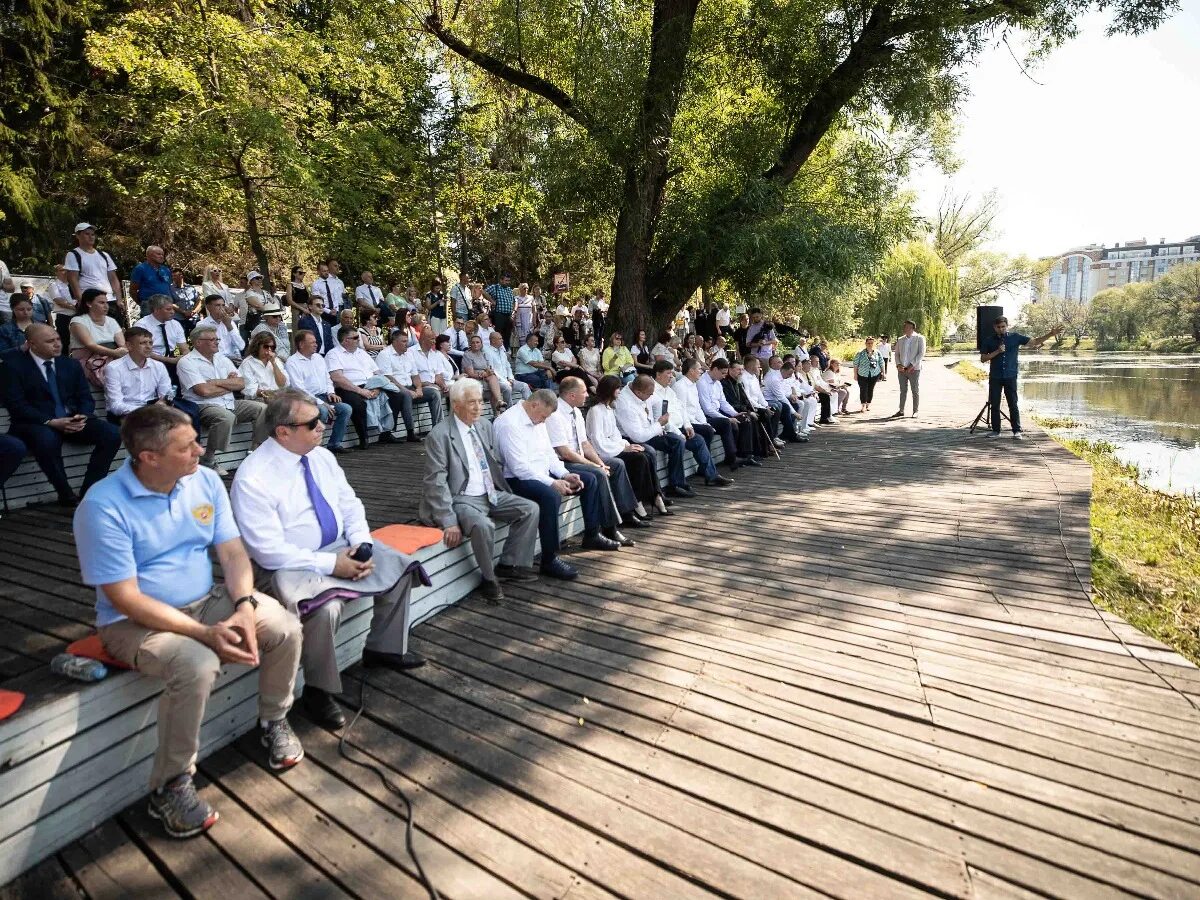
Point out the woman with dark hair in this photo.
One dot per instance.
(262, 371)
(605, 436)
(373, 338)
(12, 332)
(642, 358)
(96, 337)
(298, 297)
(566, 365)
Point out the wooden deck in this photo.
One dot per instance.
(869, 670)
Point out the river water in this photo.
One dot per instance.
(1147, 405)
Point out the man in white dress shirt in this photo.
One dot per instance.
(395, 363)
(170, 342)
(350, 368)
(779, 390)
(367, 296)
(568, 437)
(679, 422)
(209, 380)
(535, 472)
(493, 349)
(136, 379)
(307, 533)
(685, 389)
(910, 353)
(329, 289)
(460, 296)
(767, 414)
(465, 493)
(432, 368)
(640, 425)
(459, 342)
(736, 430)
(307, 371)
(230, 342)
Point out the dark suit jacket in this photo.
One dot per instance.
(27, 395)
(736, 395)
(323, 330)
(446, 469)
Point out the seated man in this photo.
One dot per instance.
(639, 425)
(465, 493)
(313, 321)
(735, 429)
(209, 380)
(767, 414)
(50, 403)
(692, 413)
(396, 364)
(12, 451)
(305, 530)
(679, 423)
(569, 438)
(220, 318)
(350, 368)
(736, 396)
(531, 366)
(534, 471)
(820, 390)
(168, 342)
(493, 347)
(137, 379)
(143, 535)
(779, 390)
(430, 369)
(307, 371)
(459, 342)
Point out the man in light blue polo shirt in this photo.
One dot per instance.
(143, 537)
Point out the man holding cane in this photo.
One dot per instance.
(1000, 349)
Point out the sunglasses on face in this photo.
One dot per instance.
(311, 424)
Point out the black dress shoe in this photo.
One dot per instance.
(491, 592)
(415, 439)
(516, 573)
(719, 481)
(338, 451)
(751, 461)
(666, 512)
(388, 438)
(632, 521)
(684, 491)
(556, 568)
(377, 659)
(613, 535)
(599, 542)
(68, 500)
(320, 707)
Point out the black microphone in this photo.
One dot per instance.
(363, 552)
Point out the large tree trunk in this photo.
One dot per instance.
(253, 233)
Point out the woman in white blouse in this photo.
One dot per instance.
(96, 337)
(566, 365)
(213, 285)
(262, 371)
(606, 437)
(589, 358)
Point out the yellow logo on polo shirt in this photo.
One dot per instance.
(203, 513)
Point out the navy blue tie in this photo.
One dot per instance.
(60, 411)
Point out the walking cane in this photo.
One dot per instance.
(762, 429)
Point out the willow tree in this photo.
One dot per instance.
(704, 114)
(913, 283)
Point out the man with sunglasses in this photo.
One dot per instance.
(307, 533)
(350, 368)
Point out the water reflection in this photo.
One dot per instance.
(1148, 405)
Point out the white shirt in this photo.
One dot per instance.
(753, 390)
(677, 421)
(175, 335)
(525, 448)
(801, 355)
(910, 350)
(885, 349)
(398, 365)
(368, 294)
(800, 385)
(60, 293)
(603, 433)
(689, 401)
(428, 364)
(475, 486)
(723, 318)
(485, 335)
(229, 340)
(329, 289)
(500, 362)
(634, 418)
(817, 381)
(259, 378)
(561, 432)
(128, 386)
(309, 374)
(458, 340)
(275, 513)
(712, 397)
(775, 388)
(194, 369)
(356, 366)
(94, 273)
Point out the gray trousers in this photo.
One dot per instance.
(518, 389)
(907, 379)
(219, 421)
(477, 518)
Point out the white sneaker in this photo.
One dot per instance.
(1018, 436)
(992, 434)
(780, 443)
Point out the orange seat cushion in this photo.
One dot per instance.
(407, 538)
(10, 702)
(91, 647)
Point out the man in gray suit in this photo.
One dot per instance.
(465, 493)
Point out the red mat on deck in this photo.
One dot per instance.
(407, 538)
(91, 647)
(10, 702)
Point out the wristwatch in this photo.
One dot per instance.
(249, 598)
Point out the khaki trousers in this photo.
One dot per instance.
(218, 422)
(189, 669)
(477, 518)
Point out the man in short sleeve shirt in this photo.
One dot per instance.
(1000, 350)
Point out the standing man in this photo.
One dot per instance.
(329, 289)
(50, 403)
(536, 473)
(186, 298)
(88, 268)
(307, 372)
(465, 493)
(143, 537)
(64, 304)
(307, 532)
(1000, 348)
(460, 294)
(503, 301)
(149, 278)
(210, 381)
(910, 351)
(367, 296)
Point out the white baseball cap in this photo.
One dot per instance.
(84, 226)
(252, 274)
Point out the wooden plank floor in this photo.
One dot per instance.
(869, 670)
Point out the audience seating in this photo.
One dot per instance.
(77, 753)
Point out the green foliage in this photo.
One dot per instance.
(913, 283)
(1120, 315)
